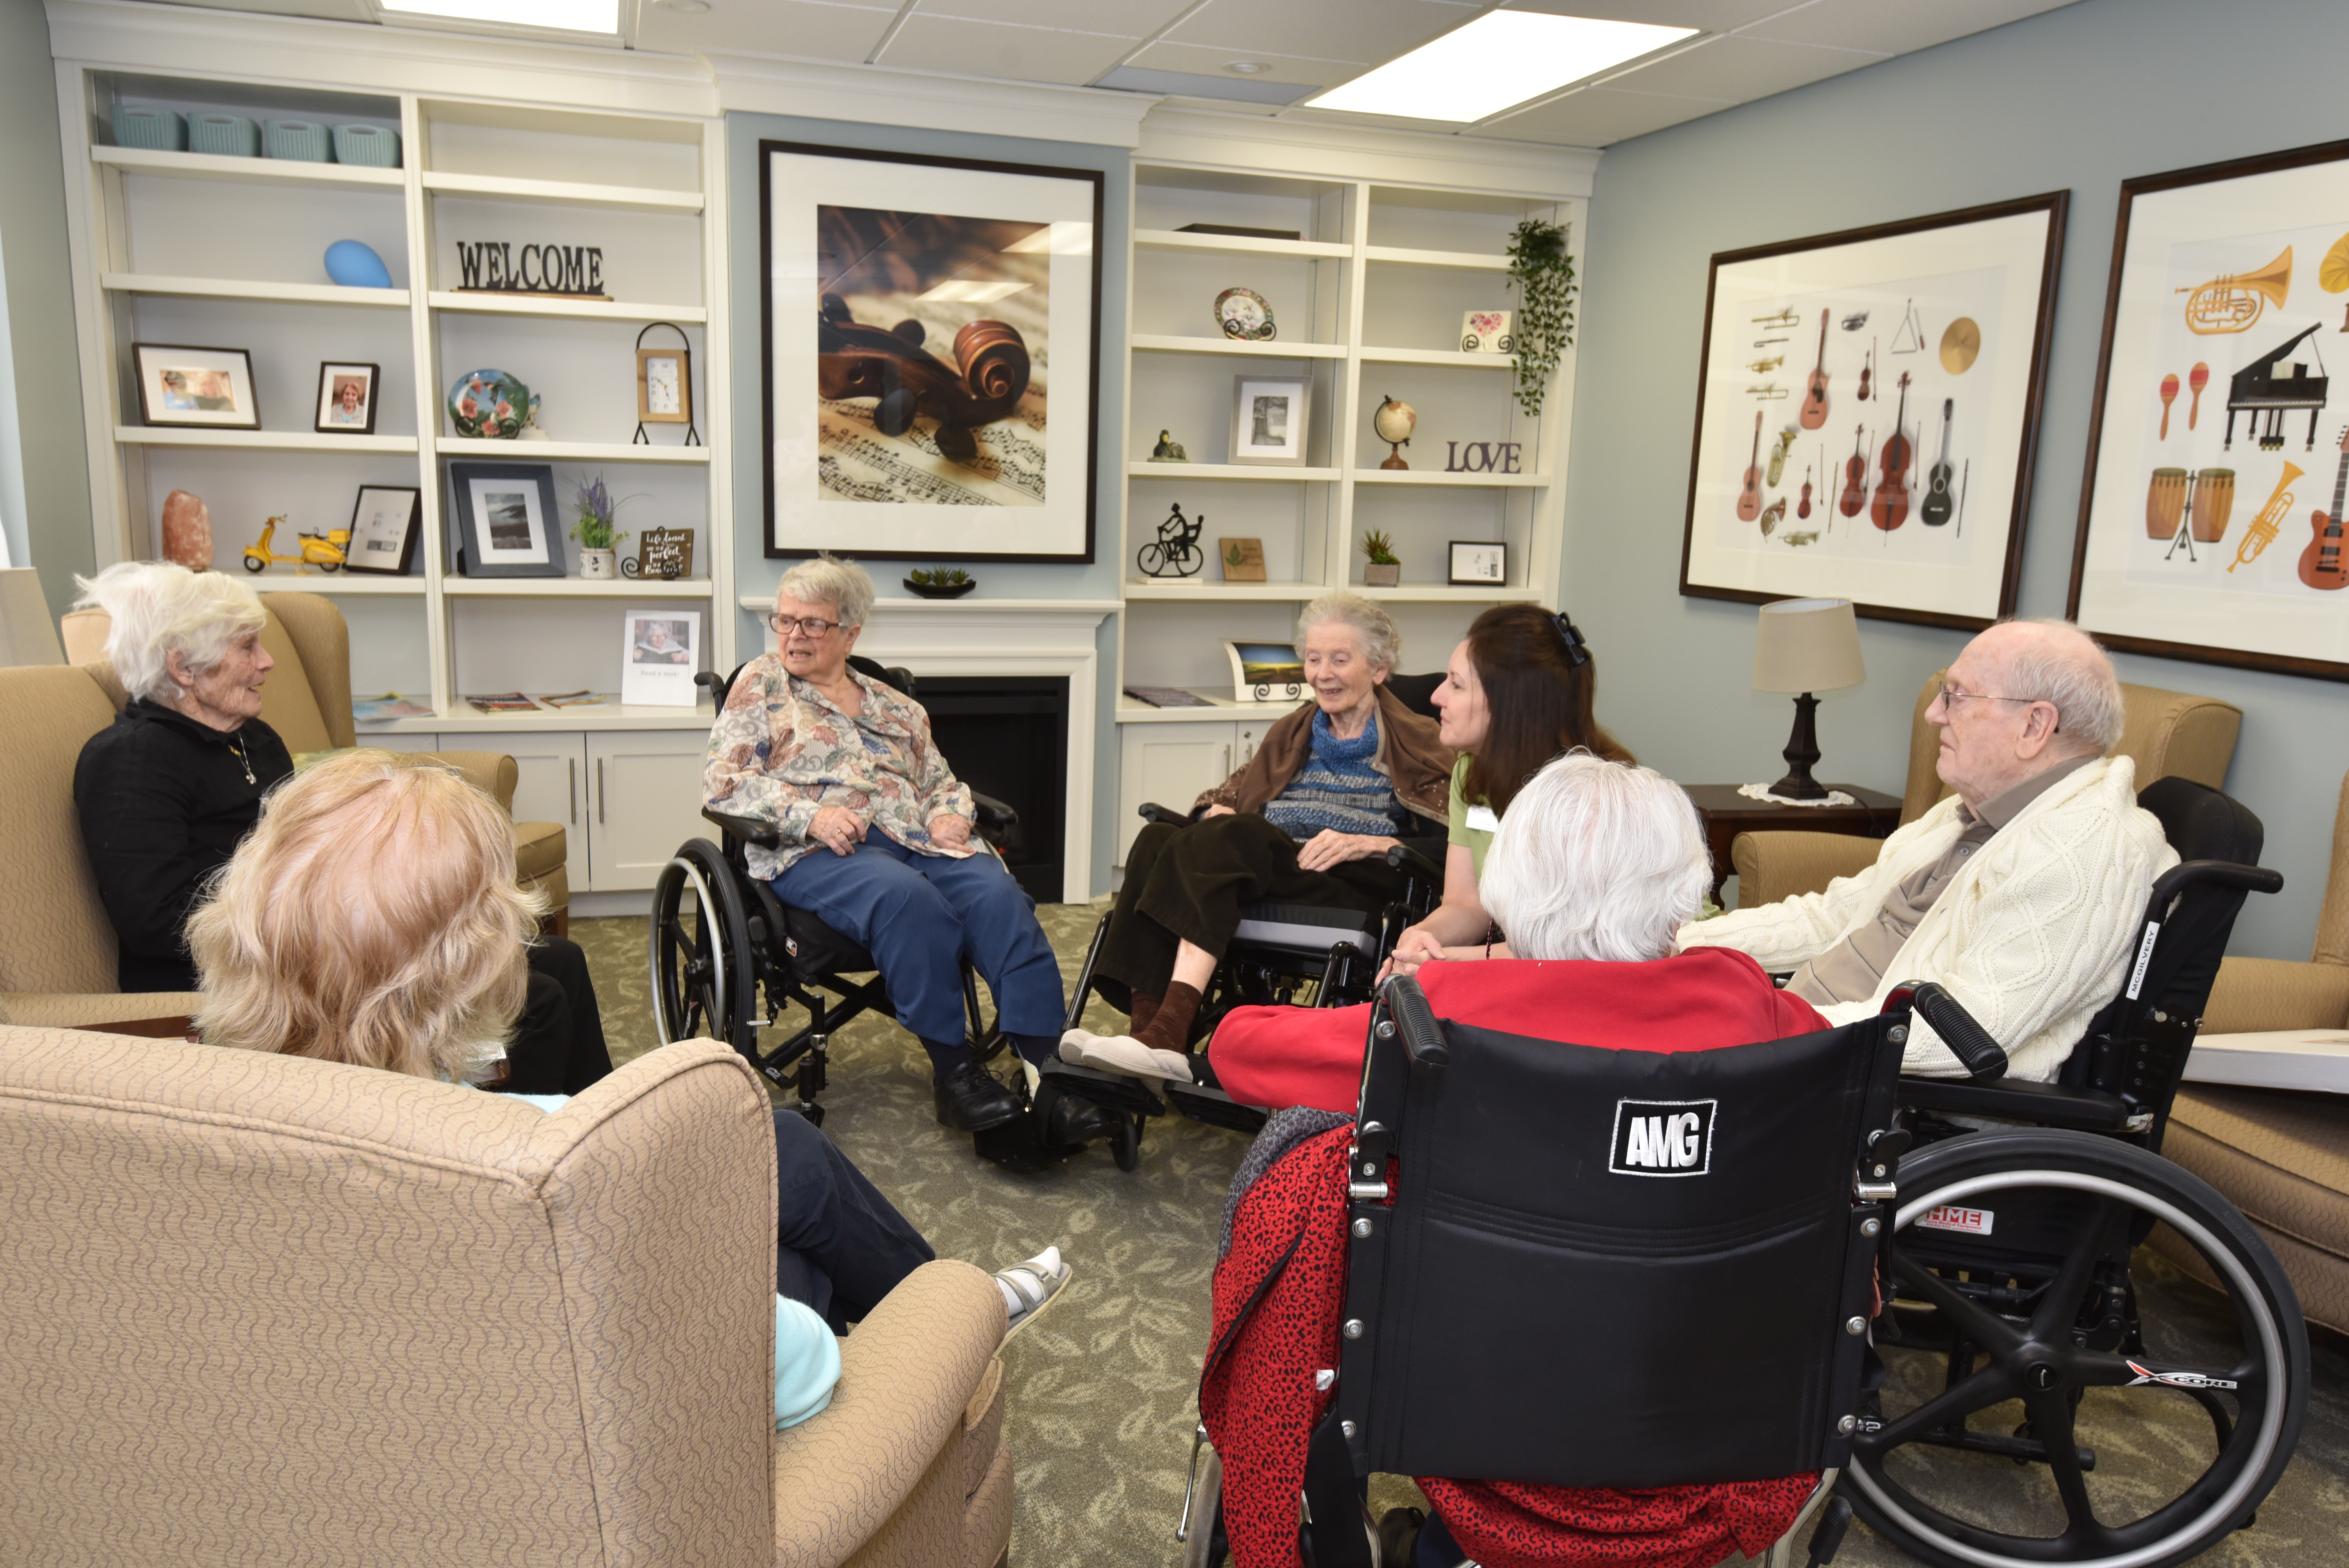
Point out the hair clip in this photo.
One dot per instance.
(1577, 651)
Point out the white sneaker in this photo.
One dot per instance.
(1125, 1055)
(1029, 1287)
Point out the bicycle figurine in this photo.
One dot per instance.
(1174, 552)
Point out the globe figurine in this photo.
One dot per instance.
(1394, 422)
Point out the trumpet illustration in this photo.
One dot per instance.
(2232, 302)
(1762, 366)
(2263, 530)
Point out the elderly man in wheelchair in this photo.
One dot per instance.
(1629, 1258)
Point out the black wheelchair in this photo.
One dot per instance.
(1517, 1310)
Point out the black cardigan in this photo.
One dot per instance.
(164, 801)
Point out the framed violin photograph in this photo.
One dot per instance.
(930, 344)
(1868, 414)
(2211, 513)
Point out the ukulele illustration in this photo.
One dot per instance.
(1814, 401)
(1890, 508)
(1748, 496)
(1938, 505)
(2325, 562)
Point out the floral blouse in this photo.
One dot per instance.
(782, 751)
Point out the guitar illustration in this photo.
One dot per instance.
(1814, 401)
(1938, 507)
(1890, 508)
(1749, 497)
(2325, 563)
(1854, 499)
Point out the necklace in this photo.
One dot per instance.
(243, 761)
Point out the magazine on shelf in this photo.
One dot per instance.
(390, 705)
(576, 699)
(504, 702)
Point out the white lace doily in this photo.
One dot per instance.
(1762, 792)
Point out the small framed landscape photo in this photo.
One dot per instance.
(506, 520)
(664, 386)
(201, 388)
(1269, 414)
(383, 530)
(346, 400)
(1479, 564)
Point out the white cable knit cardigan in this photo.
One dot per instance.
(2033, 935)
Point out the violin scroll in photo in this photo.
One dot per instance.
(990, 371)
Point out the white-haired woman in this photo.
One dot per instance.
(1596, 867)
(1308, 820)
(875, 841)
(168, 791)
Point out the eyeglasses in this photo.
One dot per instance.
(1951, 697)
(808, 626)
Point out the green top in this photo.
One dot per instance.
(1477, 838)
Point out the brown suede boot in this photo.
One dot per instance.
(1170, 1025)
(1144, 1009)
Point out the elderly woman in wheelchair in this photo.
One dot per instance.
(861, 821)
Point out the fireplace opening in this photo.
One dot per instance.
(1007, 735)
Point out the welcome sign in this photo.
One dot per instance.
(496, 266)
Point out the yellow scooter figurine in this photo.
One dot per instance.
(323, 551)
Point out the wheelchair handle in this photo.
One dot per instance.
(1151, 811)
(1982, 1057)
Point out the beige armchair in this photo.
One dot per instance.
(269, 1310)
(2164, 733)
(2252, 995)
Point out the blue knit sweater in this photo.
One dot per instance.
(1338, 788)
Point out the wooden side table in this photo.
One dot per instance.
(1727, 813)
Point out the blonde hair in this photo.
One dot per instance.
(1596, 860)
(828, 579)
(371, 918)
(159, 609)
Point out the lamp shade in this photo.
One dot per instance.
(1808, 644)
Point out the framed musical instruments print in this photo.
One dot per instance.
(1895, 372)
(930, 339)
(2217, 460)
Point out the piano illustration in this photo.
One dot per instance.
(2267, 396)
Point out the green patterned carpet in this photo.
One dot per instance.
(1104, 1389)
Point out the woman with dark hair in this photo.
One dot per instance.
(1518, 692)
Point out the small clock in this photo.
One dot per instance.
(664, 386)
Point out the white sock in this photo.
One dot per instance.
(1011, 1302)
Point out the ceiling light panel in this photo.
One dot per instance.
(561, 15)
(1500, 59)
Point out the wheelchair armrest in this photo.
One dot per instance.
(1984, 1057)
(1151, 811)
(1411, 863)
(749, 830)
(2089, 1110)
(992, 815)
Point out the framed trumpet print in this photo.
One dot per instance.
(1867, 415)
(930, 332)
(2211, 511)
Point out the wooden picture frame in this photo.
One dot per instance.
(195, 389)
(505, 519)
(2200, 538)
(384, 519)
(1271, 419)
(883, 442)
(347, 397)
(664, 386)
(1242, 558)
(1477, 563)
(1946, 319)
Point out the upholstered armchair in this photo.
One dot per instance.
(2164, 733)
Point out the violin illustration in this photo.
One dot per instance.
(1814, 401)
(1802, 507)
(1749, 497)
(984, 383)
(1890, 508)
(1854, 499)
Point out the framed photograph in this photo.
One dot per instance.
(346, 400)
(1269, 416)
(202, 389)
(1867, 415)
(930, 341)
(383, 530)
(1477, 562)
(664, 386)
(661, 651)
(506, 522)
(1266, 672)
(1243, 559)
(2210, 513)
(1488, 332)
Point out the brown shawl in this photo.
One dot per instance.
(1411, 757)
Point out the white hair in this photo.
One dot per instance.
(2069, 670)
(828, 579)
(1381, 643)
(1596, 860)
(159, 609)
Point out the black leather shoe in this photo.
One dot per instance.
(1072, 1120)
(971, 1100)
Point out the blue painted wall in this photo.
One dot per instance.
(2082, 99)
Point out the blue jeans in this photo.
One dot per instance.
(918, 916)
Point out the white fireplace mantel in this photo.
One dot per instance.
(1007, 638)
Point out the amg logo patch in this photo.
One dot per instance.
(1662, 1137)
(1954, 1217)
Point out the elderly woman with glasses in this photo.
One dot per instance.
(875, 834)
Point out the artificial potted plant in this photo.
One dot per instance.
(1385, 570)
(597, 529)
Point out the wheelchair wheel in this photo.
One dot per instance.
(2037, 1407)
(700, 947)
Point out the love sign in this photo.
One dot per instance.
(1482, 457)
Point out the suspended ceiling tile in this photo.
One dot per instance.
(1896, 26)
(1199, 60)
(1705, 15)
(1740, 69)
(928, 43)
(1125, 18)
(810, 29)
(1371, 31)
(1595, 117)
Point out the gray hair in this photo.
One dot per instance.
(828, 579)
(2065, 667)
(1381, 643)
(1596, 860)
(158, 609)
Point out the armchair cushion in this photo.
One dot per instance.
(1772, 866)
(2282, 1158)
(55, 1010)
(54, 933)
(2252, 995)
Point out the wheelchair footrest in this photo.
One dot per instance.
(1216, 1107)
(1130, 1095)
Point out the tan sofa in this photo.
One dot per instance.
(2164, 733)
(278, 1310)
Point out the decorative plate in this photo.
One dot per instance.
(490, 403)
(1243, 313)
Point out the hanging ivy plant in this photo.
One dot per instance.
(1542, 272)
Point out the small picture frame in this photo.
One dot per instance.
(1266, 672)
(1243, 559)
(506, 520)
(195, 389)
(660, 651)
(662, 552)
(383, 530)
(664, 386)
(1269, 418)
(346, 400)
(1479, 564)
(1488, 332)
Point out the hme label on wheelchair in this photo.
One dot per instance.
(1957, 1217)
(1662, 1137)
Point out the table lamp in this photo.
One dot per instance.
(1805, 645)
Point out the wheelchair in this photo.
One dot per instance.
(2007, 1398)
